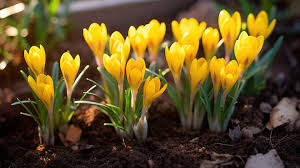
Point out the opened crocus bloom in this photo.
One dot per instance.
(44, 89)
(175, 59)
(135, 71)
(188, 25)
(215, 66)
(229, 75)
(230, 28)
(69, 68)
(156, 35)
(260, 26)
(210, 40)
(198, 73)
(36, 59)
(190, 44)
(247, 48)
(117, 44)
(152, 90)
(115, 65)
(138, 40)
(96, 37)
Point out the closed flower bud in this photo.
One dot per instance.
(210, 40)
(115, 65)
(247, 48)
(190, 25)
(230, 28)
(260, 26)
(156, 34)
(190, 44)
(43, 88)
(229, 75)
(152, 90)
(138, 40)
(198, 73)
(135, 71)
(96, 37)
(36, 59)
(215, 67)
(69, 68)
(117, 44)
(175, 59)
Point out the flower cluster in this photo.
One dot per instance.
(202, 85)
(195, 93)
(127, 104)
(50, 112)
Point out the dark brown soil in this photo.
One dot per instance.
(168, 144)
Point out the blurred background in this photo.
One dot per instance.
(58, 25)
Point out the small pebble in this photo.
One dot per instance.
(265, 107)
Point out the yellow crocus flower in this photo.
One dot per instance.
(229, 75)
(96, 37)
(69, 68)
(138, 40)
(198, 73)
(190, 45)
(43, 88)
(36, 59)
(152, 90)
(230, 28)
(247, 48)
(135, 71)
(260, 26)
(190, 25)
(175, 59)
(215, 67)
(117, 43)
(156, 34)
(210, 40)
(115, 65)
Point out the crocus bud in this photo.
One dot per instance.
(229, 75)
(43, 88)
(210, 40)
(230, 28)
(135, 71)
(247, 48)
(156, 35)
(138, 40)
(96, 37)
(115, 65)
(259, 26)
(215, 67)
(198, 73)
(152, 90)
(69, 68)
(190, 25)
(175, 59)
(36, 59)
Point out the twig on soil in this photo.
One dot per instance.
(223, 144)
(123, 143)
(285, 138)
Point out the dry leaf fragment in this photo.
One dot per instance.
(284, 113)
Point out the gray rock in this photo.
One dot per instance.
(265, 107)
(268, 160)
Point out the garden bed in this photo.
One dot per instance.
(168, 144)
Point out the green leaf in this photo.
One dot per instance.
(205, 100)
(53, 6)
(55, 73)
(107, 110)
(29, 112)
(79, 77)
(115, 125)
(100, 87)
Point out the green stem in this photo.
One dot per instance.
(121, 94)
(51, 126)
